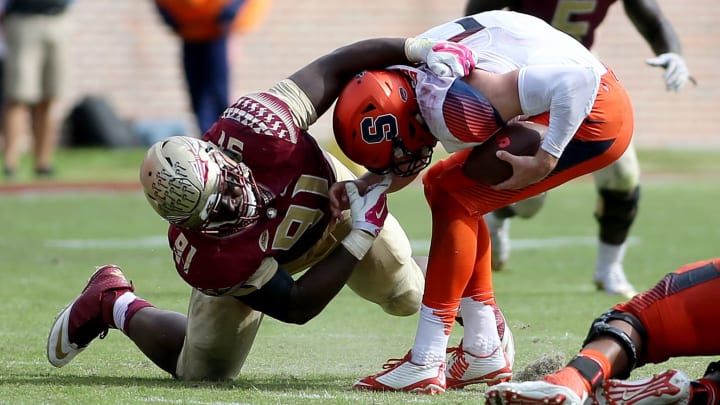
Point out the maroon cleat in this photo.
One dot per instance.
(87, 316)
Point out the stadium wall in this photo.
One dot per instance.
(123, 51)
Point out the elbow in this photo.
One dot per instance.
(300, 320)
(299, 317)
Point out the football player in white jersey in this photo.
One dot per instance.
(524, 67)
(618, 185)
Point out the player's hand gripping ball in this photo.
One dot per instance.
(520, 138)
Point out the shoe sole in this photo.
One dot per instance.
(533, 393)
(430, 389)
(490, 381)
(600, 286)
(59, 353)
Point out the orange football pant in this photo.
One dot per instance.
(681, 313)
(459, 259)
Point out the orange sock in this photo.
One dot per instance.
(589, 368)
(570, 377)
(601, 359)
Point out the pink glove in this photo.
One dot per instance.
(451, 59)
(370, 210)
(444, 58)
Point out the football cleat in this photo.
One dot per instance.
(87, 316)
(403, 375)
(464, 368)
(499, 240)
(668, 387)
(532, 393)
(614, 282)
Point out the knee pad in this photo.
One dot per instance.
(601, 327)
(616, 212)
(406, 303)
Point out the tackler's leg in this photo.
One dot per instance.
(220, 333)
(618, 199)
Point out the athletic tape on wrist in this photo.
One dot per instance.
(358, 243)
(416, 49)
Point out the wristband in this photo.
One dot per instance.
(358, 243)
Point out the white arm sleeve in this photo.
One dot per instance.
(568, 92)
(301, 108)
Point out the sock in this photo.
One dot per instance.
(431, 338)
(480, 334)
(588, 369)
(124, 308)
(571, 378)
(609, 255)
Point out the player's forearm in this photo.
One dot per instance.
(319, 285)
(655, 28)
(323, 79)
(567, 92)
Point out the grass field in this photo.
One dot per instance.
(52, 241)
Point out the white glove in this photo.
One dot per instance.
(370, 210)
(444, 58)
(676, 72)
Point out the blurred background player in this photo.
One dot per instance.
(677, 317)
(618, 184)
(37, 34)
(3, 53)
(205, 26)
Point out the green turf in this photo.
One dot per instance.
(52, 242)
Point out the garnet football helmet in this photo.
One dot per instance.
(377, 124)
(186, 180)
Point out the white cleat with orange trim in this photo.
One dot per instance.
(403, 375)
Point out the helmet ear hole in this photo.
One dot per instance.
(375, 115)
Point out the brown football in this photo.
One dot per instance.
(520, 138)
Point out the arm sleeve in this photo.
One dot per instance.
(301, 108)
(567, 92)
(273, 299)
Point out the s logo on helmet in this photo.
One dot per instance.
(378, 129)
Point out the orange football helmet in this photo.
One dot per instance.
(377, 124)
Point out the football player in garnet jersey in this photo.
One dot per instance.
(389, 120)
(618, 184)
(248, 207)
(678, 317)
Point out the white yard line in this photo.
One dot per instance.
(418, 245)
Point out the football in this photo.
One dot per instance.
(520, 138)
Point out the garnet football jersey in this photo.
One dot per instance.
(576, 18)
(288, 165)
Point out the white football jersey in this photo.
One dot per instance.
(503, 41)
(507, 40)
